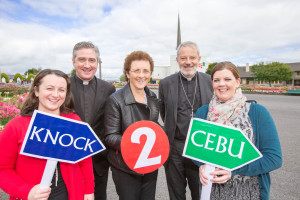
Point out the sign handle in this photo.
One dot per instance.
(206, 190)
(48, 173)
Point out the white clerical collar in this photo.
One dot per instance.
(188, 79)
(85, 82)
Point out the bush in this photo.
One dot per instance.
(18, 75)
(30, 76)
(246, 89)
(5, 76)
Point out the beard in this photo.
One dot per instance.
(190, 73)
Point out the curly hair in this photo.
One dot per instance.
(136, 55)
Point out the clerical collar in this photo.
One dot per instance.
(84, 82)
(188, 79)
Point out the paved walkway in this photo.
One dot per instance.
(285, 111)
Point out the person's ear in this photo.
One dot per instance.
(36, 91)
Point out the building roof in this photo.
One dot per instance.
(243, 73)
(295, 67)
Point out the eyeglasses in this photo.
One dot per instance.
(138, 71)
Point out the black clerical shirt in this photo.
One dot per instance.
(87, 97)
(184, 110)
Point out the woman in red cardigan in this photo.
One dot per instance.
(20, 174)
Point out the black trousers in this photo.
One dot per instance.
(101, 183)
(61, 196)
(134, 187)
(181, 171)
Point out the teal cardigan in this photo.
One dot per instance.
(266, 141)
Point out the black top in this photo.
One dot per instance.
(144, 112)
(58, 188)
(121, 111)
(88, 91)
(184, 110)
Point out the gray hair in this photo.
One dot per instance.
(88, 45)
(189, 44)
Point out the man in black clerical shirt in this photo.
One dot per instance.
(181, 95)
(90, 94)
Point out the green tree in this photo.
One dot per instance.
(274, 71)
(210, 67)
(5, 76)
(33, 71)
(73, 72)
(122, 78)
(284, 72)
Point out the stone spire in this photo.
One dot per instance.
(178, 33)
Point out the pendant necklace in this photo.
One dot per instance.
(191, 105)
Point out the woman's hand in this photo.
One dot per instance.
(89, 197)
(219, 176)
(37, 193)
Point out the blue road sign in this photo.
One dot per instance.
(54, 137)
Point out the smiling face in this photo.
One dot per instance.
(139, 74)
(225, 84)
(51, 93)
(85, 63)
(188, 61)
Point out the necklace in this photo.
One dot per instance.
(191, 105)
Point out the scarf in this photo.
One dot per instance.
(226, 112)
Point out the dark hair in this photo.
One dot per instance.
(87, 45)
(225, 65)
(136, 55)
(32, 101)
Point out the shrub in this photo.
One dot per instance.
(30, 76)
(5, 76)
(18, 75)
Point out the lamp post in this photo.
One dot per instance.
(100, 72)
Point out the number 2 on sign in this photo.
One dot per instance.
(144, 160)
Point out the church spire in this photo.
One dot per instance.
(178, 33)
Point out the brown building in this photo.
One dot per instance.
(295, 67)
(247, 77)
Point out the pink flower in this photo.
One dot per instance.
(20, 100)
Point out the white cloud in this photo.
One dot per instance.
(238, 31)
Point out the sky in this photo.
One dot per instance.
(42, 33)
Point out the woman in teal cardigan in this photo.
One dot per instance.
(229, 107)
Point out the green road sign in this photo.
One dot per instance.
(219, 145)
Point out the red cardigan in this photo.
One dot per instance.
(19, 173)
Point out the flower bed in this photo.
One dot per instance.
(268, 90)
(11, 99)
(11, 89)
(8, 112)
(120, 85)
(153, 86)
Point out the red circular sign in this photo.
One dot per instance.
(144, 146)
